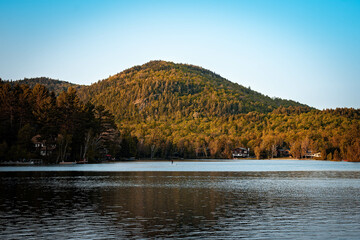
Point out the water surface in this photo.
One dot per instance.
(199, 166)
(317, 201)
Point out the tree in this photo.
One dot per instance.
(63, 142)
(3, 151)
(24, 143)
(257, 151)
(336, 156)
(295, 149)
(353, 154)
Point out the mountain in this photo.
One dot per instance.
(161, 89)
(163, 110)
(187, 110)
(53, 85)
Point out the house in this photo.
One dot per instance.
(240, 152)
(310, 154)
(41, 147)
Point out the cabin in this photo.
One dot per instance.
(41, 147)
(241, 152)
(310, 154)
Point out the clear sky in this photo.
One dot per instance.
(305, 50)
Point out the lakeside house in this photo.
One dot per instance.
(310, 154)
(241, 152)
(41, 147)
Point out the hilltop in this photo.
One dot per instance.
(53, 85)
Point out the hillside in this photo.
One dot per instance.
(187, 111)
(53, 85)
(161, 89)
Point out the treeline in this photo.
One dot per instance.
(52, 85)
(66, 129)
(335, 134)
(35, 123)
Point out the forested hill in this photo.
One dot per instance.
(171, 109)
(164, 89)
(53, 85)
(163, 110)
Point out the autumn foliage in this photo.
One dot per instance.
(165, 110)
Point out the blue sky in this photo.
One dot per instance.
(305, 50)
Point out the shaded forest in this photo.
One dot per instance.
(166, 110)
(35, 123)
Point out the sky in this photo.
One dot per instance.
(304, 50)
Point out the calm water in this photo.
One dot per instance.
(192, 200)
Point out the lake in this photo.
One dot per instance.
(227, 199)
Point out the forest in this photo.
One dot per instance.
(163, 110)
(191, 112)
(35, 123)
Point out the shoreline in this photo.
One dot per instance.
(22, 164)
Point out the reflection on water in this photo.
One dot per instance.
(192, 205)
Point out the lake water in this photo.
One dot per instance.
(249, 199)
